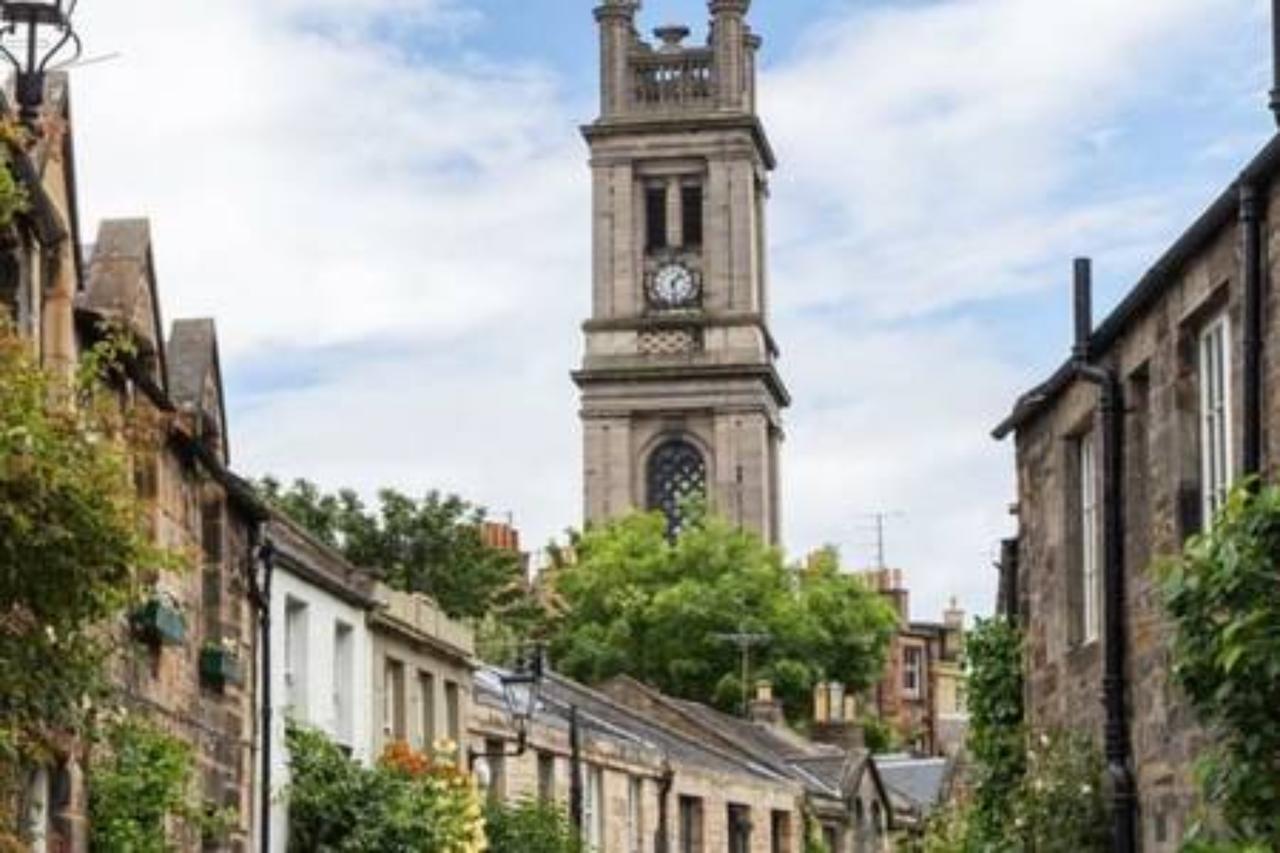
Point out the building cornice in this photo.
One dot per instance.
(685, 122)
(766, 373)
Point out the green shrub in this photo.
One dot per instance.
(139, 782)
(407, 802)
(1222, 596)
(530, 826)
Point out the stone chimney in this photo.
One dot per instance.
(953, 622)
(835, 717)
(765, 707)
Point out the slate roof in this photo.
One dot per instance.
(599, 716)
(823, 770)
(917, 781)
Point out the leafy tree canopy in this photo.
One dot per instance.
(433, 545)
(634, 603)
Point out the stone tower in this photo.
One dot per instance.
(680, 394)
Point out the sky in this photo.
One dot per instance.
(385, 206)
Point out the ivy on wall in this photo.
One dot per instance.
(1026, 792)
(71, 540)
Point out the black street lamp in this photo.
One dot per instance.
(22, 23)
(520, 689)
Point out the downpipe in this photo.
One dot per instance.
(1121, 784)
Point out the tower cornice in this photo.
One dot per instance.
(633, 126)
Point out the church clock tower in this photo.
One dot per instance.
(680, 394)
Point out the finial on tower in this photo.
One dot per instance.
(671, 36)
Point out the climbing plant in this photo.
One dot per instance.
(71, 539)
(141, 776)
(1222, 597)
(996, 739)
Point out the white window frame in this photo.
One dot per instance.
(912, 670)
(393, 699)
(344, 662)
(1214, 373)
(296, 629)
(635, 815)
(593, 808)
(1090, 539)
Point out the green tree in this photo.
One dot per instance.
(635, 603)
(1222, 596)
(433, 545)
(71, 538)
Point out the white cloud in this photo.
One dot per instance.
(308, 186)
(936, 142)
(931, 154)
(317, 180)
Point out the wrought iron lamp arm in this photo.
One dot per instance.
(522, 746)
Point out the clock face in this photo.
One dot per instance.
(673, 286)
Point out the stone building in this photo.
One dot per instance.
(1178, 390)
(184, 657)
(321, 657)
(922, 694)
(840, 784)
(422, 668)
(680, 393)
(666, 776)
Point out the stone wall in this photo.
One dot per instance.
(1156, 359)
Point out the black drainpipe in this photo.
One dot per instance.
(662, 844)
(1111, 412)
(575, 770)
(1251, 228)
(262, 550)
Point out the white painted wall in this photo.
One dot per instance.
(315, 684)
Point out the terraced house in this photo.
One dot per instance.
(1125, 451)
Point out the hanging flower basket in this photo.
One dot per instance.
(159, 623)
(219, 666)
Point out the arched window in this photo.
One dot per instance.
(676, 473)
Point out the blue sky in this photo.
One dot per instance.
(384, 203)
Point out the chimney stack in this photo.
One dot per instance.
(765, 708)
(1083, 293)
(835, 717)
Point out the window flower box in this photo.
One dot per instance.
(159, 623)
(219, 666)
